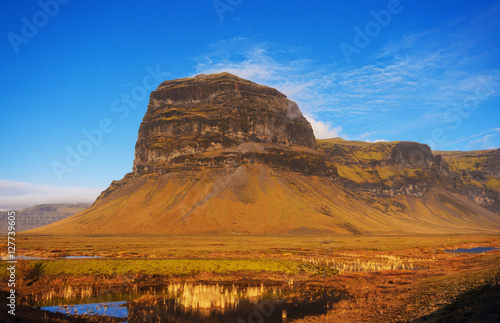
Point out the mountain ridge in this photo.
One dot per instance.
(41, 214)
(219, 154)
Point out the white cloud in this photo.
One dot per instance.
(470, 138)
(485, 140)
(363, 136)
(18, 195)
(376, 140)
(324, 130)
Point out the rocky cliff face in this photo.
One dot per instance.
(492, 164)
(189, 117)
(475, 174)
(384, 169)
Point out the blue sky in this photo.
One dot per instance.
(426, 71)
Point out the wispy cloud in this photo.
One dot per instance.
(18, 195)
(483, 140)
(414, 80)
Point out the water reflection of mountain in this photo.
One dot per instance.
(229, 303)
(196, 302)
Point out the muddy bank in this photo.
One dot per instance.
(460, 290)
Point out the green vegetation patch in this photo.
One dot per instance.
(173, 267)
(176, 267)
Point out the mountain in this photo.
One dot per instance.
(478, 175)
(220, 154)
(40, 215)
(389, 168)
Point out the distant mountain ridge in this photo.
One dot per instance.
(219, 154)
(40, 215)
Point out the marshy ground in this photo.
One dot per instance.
(380, 278)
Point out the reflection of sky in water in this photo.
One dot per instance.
(114, 309)
(472, 250)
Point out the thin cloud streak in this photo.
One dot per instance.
(496, 130)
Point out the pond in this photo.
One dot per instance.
(197, 302)
(472, 250)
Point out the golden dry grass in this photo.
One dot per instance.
(240, 246)
(254, 199)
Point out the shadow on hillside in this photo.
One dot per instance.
(478, 305)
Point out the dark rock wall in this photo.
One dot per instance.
(211, 112)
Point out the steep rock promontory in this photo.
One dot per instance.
(187, 118)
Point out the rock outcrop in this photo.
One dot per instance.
(475, 174)
(412, 155)
(187, 118)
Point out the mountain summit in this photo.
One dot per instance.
(220, 154)
(189, 117)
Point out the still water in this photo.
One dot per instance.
(472, 250)
(196, 302)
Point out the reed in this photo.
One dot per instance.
(357, 263)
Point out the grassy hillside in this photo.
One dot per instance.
(373, 188)
(362, 162)
(257, 200)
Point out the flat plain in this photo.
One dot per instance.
(384, 278)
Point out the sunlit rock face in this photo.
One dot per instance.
(189, 117)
